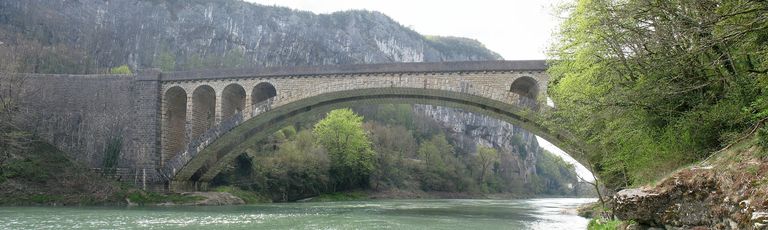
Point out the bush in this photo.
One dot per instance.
(26, 169)
(123, 69)
(762, 137)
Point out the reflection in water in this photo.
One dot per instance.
(377, 214)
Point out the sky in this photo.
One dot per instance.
(516, 29)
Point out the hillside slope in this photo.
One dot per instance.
(44, 175)
(87, 36)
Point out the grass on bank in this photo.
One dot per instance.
(600, 224)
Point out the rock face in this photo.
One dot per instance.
(216, 198)
(703, 198)
(468, 130)
(179, 34)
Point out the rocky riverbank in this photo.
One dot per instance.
(728, 191)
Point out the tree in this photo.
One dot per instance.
(392, 144)
(487, 156)
(166, 61)
(349, 149)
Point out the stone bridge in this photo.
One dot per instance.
(180, 129)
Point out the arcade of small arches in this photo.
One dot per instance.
(186, 115)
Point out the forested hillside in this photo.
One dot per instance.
(658, 85)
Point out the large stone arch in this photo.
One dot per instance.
(262, 91)
(203, 110)
(232, 100)
(174, 121)
(526, 87)
(205, 164)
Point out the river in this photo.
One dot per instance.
(546, 213)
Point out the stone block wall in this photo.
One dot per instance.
(86, 115)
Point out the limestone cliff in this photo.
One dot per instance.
(468, 130)
(178, 35)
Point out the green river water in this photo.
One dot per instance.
(554, 213)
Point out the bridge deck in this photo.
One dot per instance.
(388, 68)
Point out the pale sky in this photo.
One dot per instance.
(516, 29)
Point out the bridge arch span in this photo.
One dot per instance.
(275, 96)
(203, 164)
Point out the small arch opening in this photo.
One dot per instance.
(174, 120)
(526, 87)
(232, 100)
(203, 110)
(262, 92)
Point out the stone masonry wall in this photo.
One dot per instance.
(84, 115)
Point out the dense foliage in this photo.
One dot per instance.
(394, 149)
(349, 150)
(655, 85)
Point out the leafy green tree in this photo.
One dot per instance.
(393, 145)
(297, 173)
(487, 157)
(349, 149)
(443, 170)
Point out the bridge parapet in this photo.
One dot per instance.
(361, 69)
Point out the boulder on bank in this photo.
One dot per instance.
(216, 198)
(729, 196)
